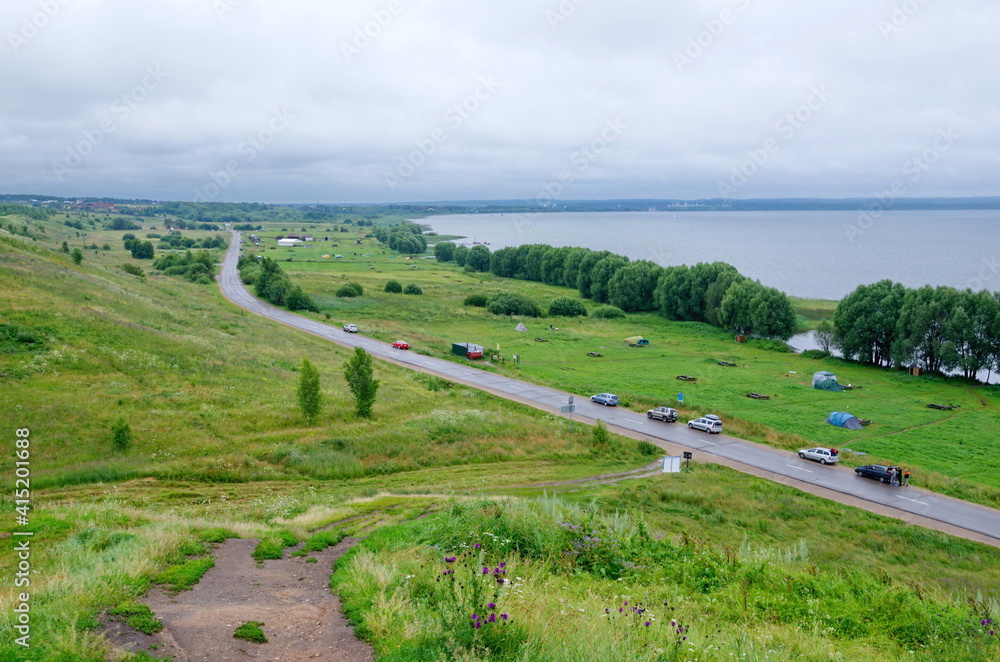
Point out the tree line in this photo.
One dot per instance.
(715, 293)
(938, 329)
(271, 283)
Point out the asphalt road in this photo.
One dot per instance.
(736, 452)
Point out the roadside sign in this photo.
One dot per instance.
(671, 464)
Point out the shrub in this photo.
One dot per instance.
(412, 289)
(567, 307)
(475, 300)
(133, 270)
(393, 287)
(121, 434)
(350, 290)
(512, 304)
(607, 313)
(815, 354)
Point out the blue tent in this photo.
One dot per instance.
(844, 420)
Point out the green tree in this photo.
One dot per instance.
(309, 394)
(65, 247)
(77, 256)
(121, 434)
(479, 258)
(360, 378)
(393, 287)
(412, 289)
(922, 328)
(600, 276)
(734, 311)
(632, 286)
(772, 314)
(444, 251)
(865, 320)
(460, 254)
(824, 335)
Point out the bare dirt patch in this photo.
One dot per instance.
(302, 618)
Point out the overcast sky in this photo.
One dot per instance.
(416, 100)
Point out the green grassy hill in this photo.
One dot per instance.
(218, 448)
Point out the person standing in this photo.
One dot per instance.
(906, 477)
(893, 480)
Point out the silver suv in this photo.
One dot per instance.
(666, 414)
(709, 423)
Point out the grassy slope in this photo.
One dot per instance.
(208, 430)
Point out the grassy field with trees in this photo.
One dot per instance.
(164, 420)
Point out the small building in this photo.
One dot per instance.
(289, 243)
(308, 237)
(468, 350)
(292, 235)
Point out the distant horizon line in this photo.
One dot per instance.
(549, 205)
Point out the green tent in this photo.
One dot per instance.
(826, 381)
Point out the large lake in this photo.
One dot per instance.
(809, 254)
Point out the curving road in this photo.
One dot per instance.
(909, 503)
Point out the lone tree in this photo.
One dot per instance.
(310, 397)
(77, 256)
(121, 434)
(359, 375)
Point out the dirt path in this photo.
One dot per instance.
(302, 618)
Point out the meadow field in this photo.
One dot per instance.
(948, 451)
(724, 565)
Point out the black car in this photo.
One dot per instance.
(876, 471)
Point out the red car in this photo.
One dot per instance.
(401, 344)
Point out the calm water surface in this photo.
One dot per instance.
(809, 254)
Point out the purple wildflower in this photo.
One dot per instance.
(646, 623)
(476, 545)
(475, 617)
(504, 616)
(491, 606)
(492, 618)
(450, 559)
(486, 571)
(503, 564)
(478, 625)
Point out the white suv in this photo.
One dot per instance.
(709, 423)
(351, 328)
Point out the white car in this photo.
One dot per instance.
(709, 423)
(351, 328)
(821, 455)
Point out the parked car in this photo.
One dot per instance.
(821, 455)
(606, 399)
(665, 414)
(351, 328)
(876, 471)
(709, 423)
(401, 344)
